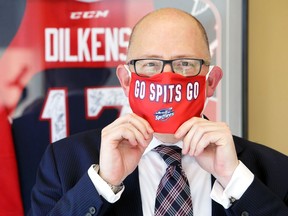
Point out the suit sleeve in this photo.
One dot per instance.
(50, 197)
(259, 200)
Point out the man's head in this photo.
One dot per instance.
(182, 30)
(169, 33)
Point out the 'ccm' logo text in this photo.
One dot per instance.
(89, 14)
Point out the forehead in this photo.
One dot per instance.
(168, 36)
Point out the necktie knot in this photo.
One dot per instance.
(170, 154)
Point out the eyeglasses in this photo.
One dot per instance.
(150, 67)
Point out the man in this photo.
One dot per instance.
(168, 59)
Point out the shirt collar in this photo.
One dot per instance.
(155, 142)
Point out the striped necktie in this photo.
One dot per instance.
(173, 194)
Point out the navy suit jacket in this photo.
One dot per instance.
(63, 186)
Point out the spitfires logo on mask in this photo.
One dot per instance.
(164, 114)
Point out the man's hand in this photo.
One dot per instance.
(211, 143)
(122, 145)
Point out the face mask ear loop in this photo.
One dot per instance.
(206, 98)
(127, 68)
(209, 71)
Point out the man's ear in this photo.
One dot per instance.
(124, 78)
(214, 78)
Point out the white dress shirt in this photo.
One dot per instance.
(152, 168)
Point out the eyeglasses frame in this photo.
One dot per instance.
(165, 62)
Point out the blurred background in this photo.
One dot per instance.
(268, 73)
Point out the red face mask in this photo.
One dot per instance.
(167, 100)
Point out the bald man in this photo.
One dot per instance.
(116, 171)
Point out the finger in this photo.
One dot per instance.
(196, 128)
(141, 124)
(138, 122)
(197, 131)
(217, 134)
(136, 136)
(124, 132)
(186, 126)
(207, 139)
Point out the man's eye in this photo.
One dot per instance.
(150, 64)
(184, 63)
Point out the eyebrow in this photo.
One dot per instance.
(171, 57)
